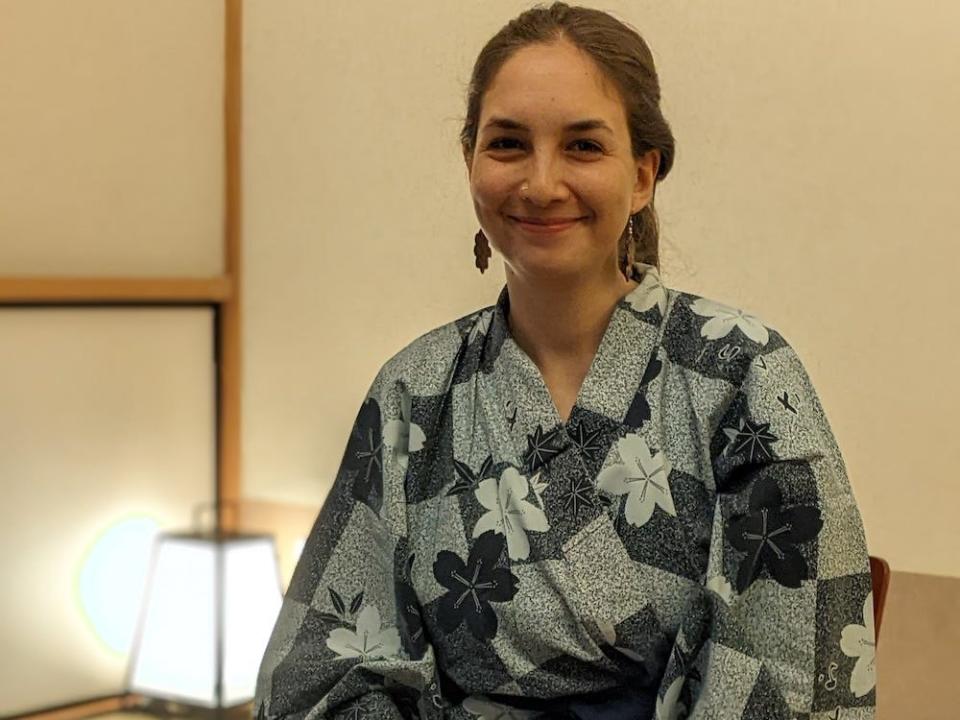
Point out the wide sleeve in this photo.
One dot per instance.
(348, 642)
(787, 605)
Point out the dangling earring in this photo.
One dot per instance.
(481, 250)
(627, 251)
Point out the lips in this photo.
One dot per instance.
(545, 221)
(539, 226)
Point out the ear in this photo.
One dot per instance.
(647, 167)
(467, 159)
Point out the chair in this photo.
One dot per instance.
(880, 572)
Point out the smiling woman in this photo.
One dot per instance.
(531, 167)
(597, 497)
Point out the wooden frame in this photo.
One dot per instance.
(76, 711)
(223, 294)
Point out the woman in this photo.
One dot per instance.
(598, 497)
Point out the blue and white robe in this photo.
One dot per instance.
(688, 538)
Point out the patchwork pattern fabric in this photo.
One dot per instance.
(688, 535)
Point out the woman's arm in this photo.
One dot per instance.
(787, 614)
(348, 642)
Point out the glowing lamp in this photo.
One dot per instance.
(210, 606)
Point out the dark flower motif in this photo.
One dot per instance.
(473, 585)
(362, 460)
(769, 533)
(579, 494)
(541, 448)
(653, 369)
(755, 438)
(411, 620)
(343, 617)
(639, 411)
(355, 710)
(408, 610)
(586, 442)
(467, 480)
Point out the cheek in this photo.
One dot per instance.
(490, 189)
(493, 184)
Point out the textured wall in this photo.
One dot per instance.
(814, 185)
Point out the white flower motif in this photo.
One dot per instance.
(721, 586)
(369, 641)
(649, 292)
(724, 318)
(669, 707)
(508, 512)
(642, 477)
(402, 435)
(480, 326)
(609, 632)
(538, 487)
(859, 641)
(485, 709)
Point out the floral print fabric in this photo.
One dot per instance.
(687, 539)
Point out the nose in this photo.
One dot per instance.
(545, 182)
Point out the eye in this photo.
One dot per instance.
(592, 146)
(589, 144)
(498, 143)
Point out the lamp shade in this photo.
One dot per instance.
(211, 604)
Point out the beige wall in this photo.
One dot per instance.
(111, 127)
(814, 184)
(111, 164)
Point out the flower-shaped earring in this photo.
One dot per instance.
(481, 250)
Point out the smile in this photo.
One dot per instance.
(540, 229)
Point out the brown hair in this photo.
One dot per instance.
(625, 60)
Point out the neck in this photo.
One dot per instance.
(559, 322)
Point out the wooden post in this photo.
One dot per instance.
(229, 327)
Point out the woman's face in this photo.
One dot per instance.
(588, 173)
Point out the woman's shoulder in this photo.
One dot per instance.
(721, 338)
(695, 318)
(425, 363)
(724, 314)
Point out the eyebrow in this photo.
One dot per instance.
(579, 126)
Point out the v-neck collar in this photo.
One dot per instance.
(631, 336)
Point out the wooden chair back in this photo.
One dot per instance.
(880, 571)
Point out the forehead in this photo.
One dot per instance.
(540, 84)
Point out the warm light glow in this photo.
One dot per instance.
(112, 578)
(176, 657)
(251, 605)
(183, 625)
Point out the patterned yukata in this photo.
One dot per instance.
(685, 545)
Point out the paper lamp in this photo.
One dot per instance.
(210, 606)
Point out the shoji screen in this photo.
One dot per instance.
(111, 139)
(106, 435)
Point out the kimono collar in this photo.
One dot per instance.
(630, 338)
(649, 293)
